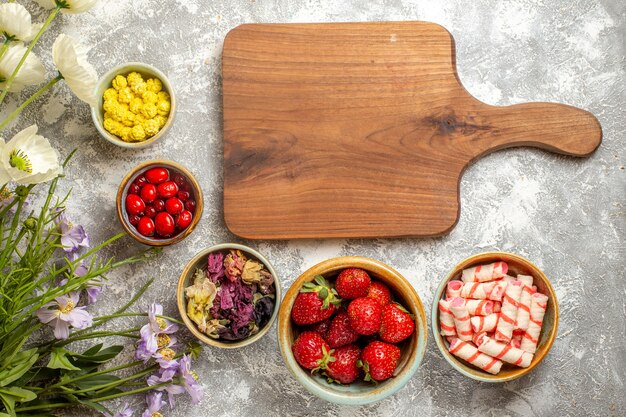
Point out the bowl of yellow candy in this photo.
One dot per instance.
(136, 105)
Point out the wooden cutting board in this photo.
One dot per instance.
(363, 130)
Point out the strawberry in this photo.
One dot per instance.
(379, 360)
(316, 302)
(364, 314)
(311, 351)
(344, 369)
(396, 324)
(320, 328)
(340, 332)
(379, 291)
(353, 283)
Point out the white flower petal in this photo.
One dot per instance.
(5, 177)
(75, 6)
(46, 315)
(61, 329)
(71, 60)
(15, 21)
(32, 71)
(43, 158)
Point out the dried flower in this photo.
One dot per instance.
(28, 159)
(31, 72)
(64, 314)
(71, 60)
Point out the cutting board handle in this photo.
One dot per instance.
(555, 127)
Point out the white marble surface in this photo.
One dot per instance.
(567, 215)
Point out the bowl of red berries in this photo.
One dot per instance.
(352, 330)
(159, 203)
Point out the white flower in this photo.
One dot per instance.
(71, 60)
(28, 159)
(31, 73)
(69, 6)
(15, 22)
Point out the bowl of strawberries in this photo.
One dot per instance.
(352, 330)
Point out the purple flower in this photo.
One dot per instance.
(126, 411)
(155, 403)
(155, 334)
(189, 380)
(72, 236)
(93, 291)
(166, 375)
(64, 314)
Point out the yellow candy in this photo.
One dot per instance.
(151, 127)
(139, 88)
(134, 77)
(118, 114)
(149, 110)
(149, 97)
(138, 133)
(125, 95)
(139, 119)
(125, 134)
(128, 119)
(163, 96)
(112, 126)
(135, 105)
(110, 94)
(119, 82)
(154, 85)
(161, 120)
(163, 108)
(110, 105)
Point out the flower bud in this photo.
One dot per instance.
(21, 191)
(30, 223)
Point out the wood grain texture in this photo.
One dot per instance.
(362, 130)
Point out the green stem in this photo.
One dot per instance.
(30, 100)
(125, 393)
(112, 316)
(104, 371)
(5, 46)
(9, 82)
(124, 333)
(108, 386)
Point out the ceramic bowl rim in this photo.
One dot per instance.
(378, 392)
(97, 112)
(180, 297)
(122, 192)
(475, 373)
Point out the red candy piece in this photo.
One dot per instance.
(179, 180)
(183, 220)
(165, 225)
(148, 193)
(146, 226)
(151, 211)
(133, 189)
(183, 196)
(167, 189)
(141, 180)
(173, 206)
(190, 205)
(134, 219)
(159, 205)
(134, 204)
(157, 175)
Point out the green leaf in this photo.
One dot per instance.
(59, 360)
(12, 395)
(22, 362)
(100, 356)
(93, 350)
(96, 381)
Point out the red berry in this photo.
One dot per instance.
(157, 175)
(133, 189)
(164, 224)
(173, 206)
(316, 302)
(159, 205)
(146, 226)
(167, 189)
(320, 328)
(179, 180)
(311, 351)
(340, 332)
(190, 205)
(353, 283)
(134, 219)
(396, 324)
(379, 292)
(148, 193)
(364, 314)
(141, 180)
(379, 360)
(344, 368)
(151, 211)
(183, 220)
(134, 204)
(183, 196)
